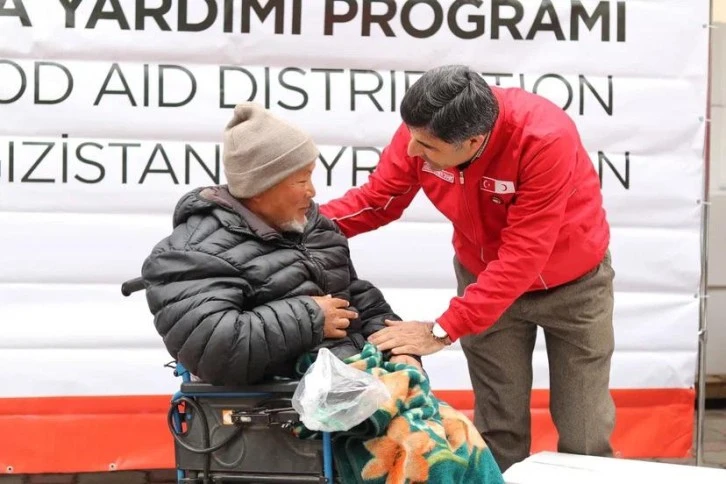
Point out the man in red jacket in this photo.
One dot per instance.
(531, 240)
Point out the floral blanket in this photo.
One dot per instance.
(412, 438)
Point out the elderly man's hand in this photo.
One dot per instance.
(337, 318)
(407, 360)
(407, 337)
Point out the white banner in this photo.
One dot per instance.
(111, 110)
(649, 38)
(193, 102)
(45, 174)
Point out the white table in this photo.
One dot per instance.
(554, 468)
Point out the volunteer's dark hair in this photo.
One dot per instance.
(451, 102)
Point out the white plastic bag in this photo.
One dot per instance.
(333, 396)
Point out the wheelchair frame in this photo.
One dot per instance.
(190, 396)
(261, 390)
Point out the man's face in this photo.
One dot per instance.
(285, 205)
(440, 154)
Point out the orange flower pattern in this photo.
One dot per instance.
(459, 430)
(411, 438)
(399, 454)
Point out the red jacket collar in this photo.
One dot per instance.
(498, 138)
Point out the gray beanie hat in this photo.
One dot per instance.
(260, 150)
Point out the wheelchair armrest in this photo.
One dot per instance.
(276, 387)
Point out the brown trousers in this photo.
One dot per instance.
(577, 319)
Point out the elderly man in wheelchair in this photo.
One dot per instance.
(250, 285)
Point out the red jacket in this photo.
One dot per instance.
(527, 214)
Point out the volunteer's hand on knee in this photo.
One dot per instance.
(337, 318)
(407, 338)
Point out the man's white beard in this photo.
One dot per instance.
(295, 226)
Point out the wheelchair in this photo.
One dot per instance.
(240, 434)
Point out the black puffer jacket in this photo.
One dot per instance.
(232, 297)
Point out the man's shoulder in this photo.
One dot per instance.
(535, 122)
(197, 233)
(533, 112)
(322, 226)
(196, 202)
(198, 222)
(518, 97)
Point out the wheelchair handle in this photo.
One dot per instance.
(131, 286)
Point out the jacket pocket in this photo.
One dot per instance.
(498, 199)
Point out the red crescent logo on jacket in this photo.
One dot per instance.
(497, 186)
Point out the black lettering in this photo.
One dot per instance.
(26, 178)
(116, 13)
(189, 153)
(11, 161)
(64, 161)
(186, 26)
(393, 91)
(327, 83)
(158, 149)
(101, 169)
(620, 16)
(283, 83)
(608, 107)
(262, 13)
(369, 92)
(217, 158)
(509, 22)
(477, 20)
(332, 18)
(601, 12)
(162, 69)
(559, 78)
(624, 181)
(222, 79)
(124, 163)
(423, 33)
(23, 82)
(296, 16)
(539, 24)
(126, 90)
(267, 87)
(381, 19)
(329, 167)
(156, 13)
(69, 83)
(146, 84)
(228, 15)
(18, 10)
(407, 80)
(70, 7)
(497, 77)
(356, 168)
